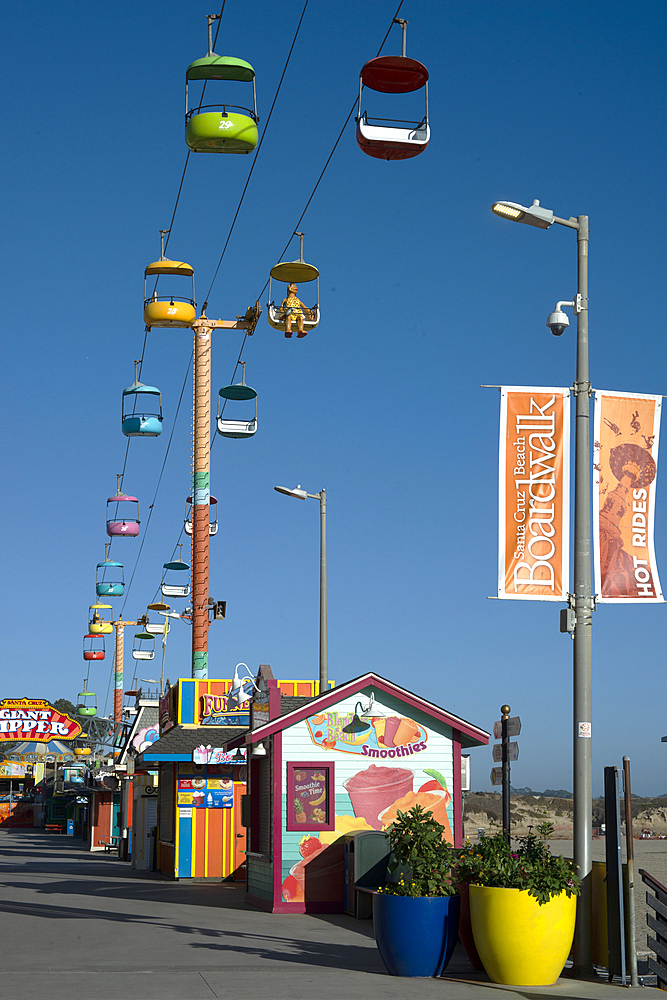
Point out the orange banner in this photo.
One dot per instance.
(533, 557)
(624, 476)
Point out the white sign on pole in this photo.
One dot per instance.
(496, 775)
(513, 728)
(512, 752)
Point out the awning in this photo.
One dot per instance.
(178, 742)
(32, 751)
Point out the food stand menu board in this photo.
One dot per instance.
(309, 805)
(205, 793)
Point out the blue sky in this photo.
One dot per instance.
(425, 295)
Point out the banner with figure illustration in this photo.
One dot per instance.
(534, 494)
(625, 464)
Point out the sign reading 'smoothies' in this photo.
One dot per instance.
(533, 557)
(29, 719)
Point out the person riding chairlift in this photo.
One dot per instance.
(294, 309)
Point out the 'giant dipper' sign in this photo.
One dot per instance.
(32, 719)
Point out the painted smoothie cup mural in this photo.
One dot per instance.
(373, 790)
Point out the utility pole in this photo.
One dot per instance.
(201, 475)
(118, 657)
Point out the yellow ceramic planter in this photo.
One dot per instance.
(520, 942)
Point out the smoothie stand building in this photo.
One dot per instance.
(342, 763)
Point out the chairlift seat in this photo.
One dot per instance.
(221, 132)
(100, 628)
(109, 589)
(278, 321)
(237, 428)
(387, 142)
(156, 628)
(169, 313)
(174, 590)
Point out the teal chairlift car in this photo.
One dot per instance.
(109, 577)
(233, 427)
(141, 410)
(173, 583)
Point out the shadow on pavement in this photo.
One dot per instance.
(222, 942)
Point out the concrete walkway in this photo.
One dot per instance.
(76, 924)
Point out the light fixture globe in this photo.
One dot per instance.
(242, 687)
(298, 492)
(533, 216)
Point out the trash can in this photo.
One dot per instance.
(366, 858)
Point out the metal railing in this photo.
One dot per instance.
(656, 898)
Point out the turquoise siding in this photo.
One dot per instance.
(260, 878)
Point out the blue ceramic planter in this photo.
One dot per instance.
(415, 937)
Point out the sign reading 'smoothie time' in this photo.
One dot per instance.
(34, 719)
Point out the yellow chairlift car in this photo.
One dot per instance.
(286, 316)
(168, 310)
(97, 625)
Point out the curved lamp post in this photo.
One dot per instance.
(582, 600)
(324, 645)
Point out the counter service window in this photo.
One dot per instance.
(310, 796)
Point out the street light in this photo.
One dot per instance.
(581, 601)
(324, 645)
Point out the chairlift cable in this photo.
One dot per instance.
(254, 162)
(305, 209)
(312, 194)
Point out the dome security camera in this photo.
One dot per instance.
(558, 322)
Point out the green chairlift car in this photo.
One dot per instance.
(221, 130)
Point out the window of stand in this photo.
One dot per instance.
(310, 796)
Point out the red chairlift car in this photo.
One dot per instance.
(389, 139)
